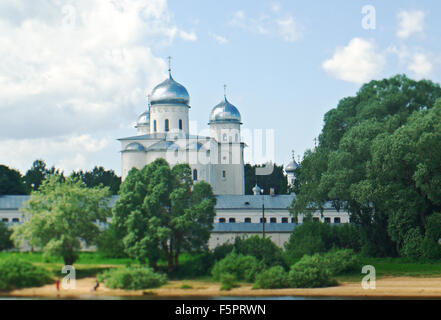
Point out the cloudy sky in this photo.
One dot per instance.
(74, 74)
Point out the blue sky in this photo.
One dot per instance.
(77, 72)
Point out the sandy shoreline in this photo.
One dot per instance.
(393, 287)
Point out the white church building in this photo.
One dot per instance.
(163, 132)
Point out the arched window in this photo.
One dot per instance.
(224, 174)
(166, 126)
(247, 220)
(224, 137)
(154, 125)
(337, 220)
(284, 220)
(180, 124)
(195, 174)
(232, 220)
(221, 220)
(273, 220)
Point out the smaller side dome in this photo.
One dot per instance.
(143, 119)
(291, 166)
(134, 146)
(225, 112)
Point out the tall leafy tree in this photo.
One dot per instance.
(277, 180)
(61, 215)
(352, 165)
(11, 181)
(100, 176)
(160, 211)
(38, 172)
(5, 237)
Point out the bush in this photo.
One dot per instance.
(263, 249)
(228, 282)
(222, 251)
(272, 278)
(341, 261)
(5, 237)
(242, 268)
(132, 278)
(412, 244)
(310, 272)
(16, 274)
(196, 265)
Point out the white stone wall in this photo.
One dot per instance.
(173, 113)
(218, 238)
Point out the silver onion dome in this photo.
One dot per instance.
(225, 112)
(134, 146)
(143, 119)
(291, 166)
(169, 91)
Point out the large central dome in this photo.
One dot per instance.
(169, 92)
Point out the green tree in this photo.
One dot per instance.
(161, 211)
(5, 237)
(38, 172)
(62, 215)
(100, 176)
(277, 180)
(374, 160)
(10, 181)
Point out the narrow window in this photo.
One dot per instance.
(154, 125)
(337, 220)
(237, 137)
(262, 220)
(284, 220)
(224, 137)
(15, 220)
(166, 125)
(327, 220)
(195, 174)
(316, 219)
(5, 220)
(293, 220)
(224, 174)
(221, 220)
(247, 220)
(232, 220)
(273, 220)
(180, 124)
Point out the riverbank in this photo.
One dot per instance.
(389, 287)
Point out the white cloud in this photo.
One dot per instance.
(420, 65)
(275, 24)
(71, 71)
(410, 22)
(78, 67)
(288, 29)
(219, 39)
(358, 62)
(67, 153)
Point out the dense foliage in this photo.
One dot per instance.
(277, 180)
(16, 274)
(61, 215)
(132, 278)
(273, 278)
(6, 242)
(317, 237)
(161, 212)
(99, 176)
(243, 268)
(378, 157)
(11, 181)
(310, 272)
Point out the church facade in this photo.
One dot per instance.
(163, 132)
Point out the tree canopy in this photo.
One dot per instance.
(379, 158)
(160, 211)
(38, 172)
(99, 176)
(11, 181)
(61, 215)
(276, 180)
